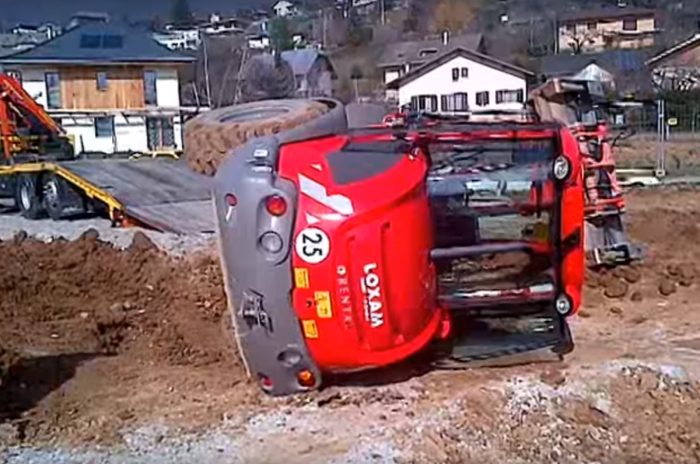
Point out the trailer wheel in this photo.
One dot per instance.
(212, 135)
(53, 194)
(28, 196)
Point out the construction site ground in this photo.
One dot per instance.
(117, 351)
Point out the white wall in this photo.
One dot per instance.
(32, 81)
(130, 132)
(391, 74)
(168, 87)
(481, 78)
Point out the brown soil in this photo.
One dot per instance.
(666, 223)
(682, 154)
(107, 340)
(95, 338)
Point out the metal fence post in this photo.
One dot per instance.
(660, 139)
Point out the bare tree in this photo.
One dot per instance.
(267, 77)
(577, 41)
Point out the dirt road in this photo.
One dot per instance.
(124, 356)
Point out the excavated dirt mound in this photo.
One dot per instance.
(94, 337)
(666, 223)
(212, 136)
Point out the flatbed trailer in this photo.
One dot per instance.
(162, 194)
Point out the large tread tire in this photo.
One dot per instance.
(28, 196)
(212, 135)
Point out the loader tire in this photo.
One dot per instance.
(212, 135)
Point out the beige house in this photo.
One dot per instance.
(597, 30)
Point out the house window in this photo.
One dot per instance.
(592, 25)
(102, 81)
(455, 103)
(629, 24)
(160, 133)
(482, 98)
(104, 127)
(455, 74)
(150, 91)
(465, 72)
(510, 96)
(16, 75)
(571, 28)
(427, 103)
(53, 90)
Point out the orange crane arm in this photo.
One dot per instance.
(18, 107)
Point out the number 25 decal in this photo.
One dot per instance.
(312, 245)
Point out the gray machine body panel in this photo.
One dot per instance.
(259, 283)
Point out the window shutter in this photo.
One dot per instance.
(443, 103)
(461, 102)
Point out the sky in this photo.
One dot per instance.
(33, 11)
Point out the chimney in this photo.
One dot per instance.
(445, 37)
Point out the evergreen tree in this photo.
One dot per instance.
(280, 34)
(181, 13)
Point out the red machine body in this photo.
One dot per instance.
(366, 290)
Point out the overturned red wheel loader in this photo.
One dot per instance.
(348, 250)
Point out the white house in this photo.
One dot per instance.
(113, 89)
(463, 81)
(257, 35)
(402, 57)
(284, 8)
(179, 39)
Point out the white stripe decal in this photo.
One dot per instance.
(318, 192)
(311, 220)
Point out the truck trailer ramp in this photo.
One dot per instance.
(159, 193)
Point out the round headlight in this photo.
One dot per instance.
(562, 168)
(271, 242)
(563, 305)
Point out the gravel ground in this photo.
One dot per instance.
(47, 230)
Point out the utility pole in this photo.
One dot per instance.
(325, 28)
(381, 3)
(206, 69)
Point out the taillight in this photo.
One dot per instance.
(306, 378)
(276, 205)
(231, 199)
(265, 382)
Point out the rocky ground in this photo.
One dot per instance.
(121, 353)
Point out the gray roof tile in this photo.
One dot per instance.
(419, 52)
(99, 43)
